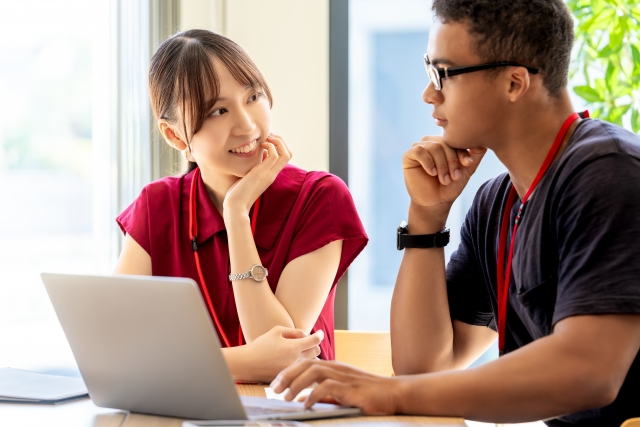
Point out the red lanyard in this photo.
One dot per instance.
(504, 279)
(193, 231)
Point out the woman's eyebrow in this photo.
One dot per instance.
(246, 89)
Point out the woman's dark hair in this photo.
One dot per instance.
(536, 33)
(183, 83)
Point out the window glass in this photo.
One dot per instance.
(387, 115)
(45, 172)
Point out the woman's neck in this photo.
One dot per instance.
(217, 185)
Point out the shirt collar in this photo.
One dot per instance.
(210, 221)
(275, 206)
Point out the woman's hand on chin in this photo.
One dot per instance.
(277, 349)
(242, 195)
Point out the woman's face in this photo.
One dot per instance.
(229, 140)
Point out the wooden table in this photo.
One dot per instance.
(85, 414)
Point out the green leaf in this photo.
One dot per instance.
(616, 37)
(635, 121)
(588, 94)
(606, 52)
(616, 113)
(611, 76)
(635, 54)
(596, 113)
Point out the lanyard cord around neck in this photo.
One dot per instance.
(193, 232)
(503, 277)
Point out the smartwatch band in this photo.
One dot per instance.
(424, 241)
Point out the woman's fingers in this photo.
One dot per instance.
(311, 353)
(283, 143)
(311, 341)
(282, 149)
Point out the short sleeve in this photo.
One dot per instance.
(598, 230)
(466, 288)
(329, 214)
(134, 221)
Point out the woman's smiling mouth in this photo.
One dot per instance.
(246, 149)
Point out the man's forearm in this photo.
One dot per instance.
(544, 379)
(421, 329)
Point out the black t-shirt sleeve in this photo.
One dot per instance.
(466, 287)
(598, 236)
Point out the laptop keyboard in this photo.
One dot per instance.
(264, 410)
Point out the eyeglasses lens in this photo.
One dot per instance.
(435, 77)
(432, 73)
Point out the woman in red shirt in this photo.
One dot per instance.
(265, 241)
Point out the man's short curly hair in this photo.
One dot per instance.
(536, 33)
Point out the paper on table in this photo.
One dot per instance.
(280, 396)
(21, 386)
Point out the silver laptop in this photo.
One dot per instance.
(147, 344)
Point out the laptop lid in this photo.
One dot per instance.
(145, 344)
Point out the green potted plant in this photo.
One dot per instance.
(607, 59)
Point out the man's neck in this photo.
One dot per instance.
(528, 138)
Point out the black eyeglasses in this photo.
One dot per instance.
(436, 75)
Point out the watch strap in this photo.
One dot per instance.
(406, 240)
(437, 240)
(241, 276)
(249, 274)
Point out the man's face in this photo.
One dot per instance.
(469, 106)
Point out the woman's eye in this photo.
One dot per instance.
(255, 96)
(218, 112)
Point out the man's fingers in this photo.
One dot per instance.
(464, 158)
(327, 390)
(318, 371)
(476, 155)
(284, 378)
(418, 155)
(436, 150)
(451, 155)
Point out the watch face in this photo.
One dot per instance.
(259, 273)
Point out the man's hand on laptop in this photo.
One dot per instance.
(339, 384)
(280, 347)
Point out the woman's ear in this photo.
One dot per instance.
(171, 136)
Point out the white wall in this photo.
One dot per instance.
(289, 42)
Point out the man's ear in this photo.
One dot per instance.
(171, 136)
(519, 83)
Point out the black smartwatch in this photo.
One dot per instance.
(406, 240)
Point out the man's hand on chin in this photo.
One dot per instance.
(341, 384)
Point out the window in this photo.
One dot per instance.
(46, 220)
(386, 115)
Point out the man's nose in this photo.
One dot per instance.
(431, 96)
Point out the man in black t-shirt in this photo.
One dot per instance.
(571, 337)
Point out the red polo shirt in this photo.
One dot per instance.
(299, 213)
